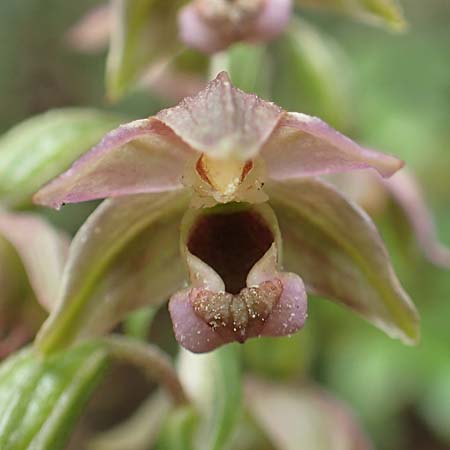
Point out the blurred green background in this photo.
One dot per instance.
(399, 101)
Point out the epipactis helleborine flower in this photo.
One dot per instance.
(213, 25)
(238, 157)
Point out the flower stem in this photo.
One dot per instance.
(154, 362)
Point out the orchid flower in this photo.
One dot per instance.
(32, 255)
(257, 222)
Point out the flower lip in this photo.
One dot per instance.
(205, 316)
(237, 317)
(230, 241)
(237, 290)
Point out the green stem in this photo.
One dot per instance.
(155, 363)
(218, 63)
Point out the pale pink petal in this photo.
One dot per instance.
(406, 191)
(197, 33)
(143, 156)
(273, 20)
(191, 331)
(91, 33)
(42, 250)
(364, 187)
(289, 314)
(223, 121)
(303, 417)
(303, 146)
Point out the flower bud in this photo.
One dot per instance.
(213, 25)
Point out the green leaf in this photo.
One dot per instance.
(144, 32)
(14, 285)
(290, 357)
(318, 81)
(386, 13)
(178, 430)
(42, 147)
(138, 323)
(215, 384)
(335, 247)
(124, 257)
(41, 399)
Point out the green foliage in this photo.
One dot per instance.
(145, 33)
(42, 147)
(178, 430)
(319, 80)
(249, 67)
(214, 381)
(40, 399)
(14, 283)
(138, 323)
(281, 358)
(387, 13)
(227, 399)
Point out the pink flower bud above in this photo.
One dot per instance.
(213, 25)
